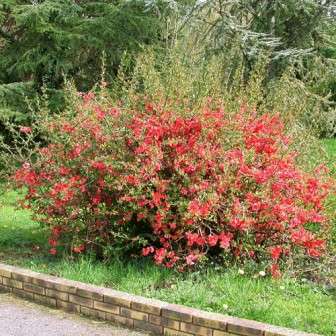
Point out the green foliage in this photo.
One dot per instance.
(297, 37)
(286, 27)
(42, 42)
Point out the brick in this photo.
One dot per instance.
(143, 325)
(245, 327)
(171, 332)
(33, 288)
(222, 333)
(178, 313)
(51, 282)
(5, 289)
(23, 275)
(133, 314)
(68, 306)
(41, 282)
(143, 313)
(4, 268)
(22, 294)
(93, 313)
(5, 272)
(145, 305)
(106, 307)
(154, 319)
(12, 283)
(45, 300)
(90, 294)
(61, 287)
(171, 324)
(57, 294)
(120, 320)
(118, 301)
(81, 301)
(209, 322)
(195, 329)
(117, 298)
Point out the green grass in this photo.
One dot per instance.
(330, 148)
(286, 302)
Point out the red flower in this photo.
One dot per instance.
(53, 251)
(238, 224)
(67, 128)
(147, 250)
(64, 171)
(26, 176)
(191, 259)
(157, 197)
(160, 255)
(99, 113)
(96, 199)
(132, 180)
(275, 271)
(56, 231)
(199, 209)
(52, 242)
(99, 165)
(25, 129)
(276, 252)
(114, 112)
(212, 240)
(79, 249)
(191, 238)
(224, 240)
(149, 107)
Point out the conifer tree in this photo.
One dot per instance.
(44, 41)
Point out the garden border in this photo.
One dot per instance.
(157, 317)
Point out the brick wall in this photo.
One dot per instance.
(132, 311)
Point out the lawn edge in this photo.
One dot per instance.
(131, 311)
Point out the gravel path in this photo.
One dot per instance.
(21, 318)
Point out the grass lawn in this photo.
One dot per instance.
(286, 302)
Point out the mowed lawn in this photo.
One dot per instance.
(298, 304)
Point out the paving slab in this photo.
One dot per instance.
(22, 318)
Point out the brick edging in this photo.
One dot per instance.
(158, 317)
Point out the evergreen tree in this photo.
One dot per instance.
(44, 41)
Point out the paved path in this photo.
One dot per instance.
(21, 318)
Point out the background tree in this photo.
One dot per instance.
(44, 41)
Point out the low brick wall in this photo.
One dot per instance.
(132, 311)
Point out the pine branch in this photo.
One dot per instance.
(6, 35)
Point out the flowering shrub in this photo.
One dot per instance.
(180, 188)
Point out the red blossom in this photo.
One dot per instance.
(179, 181)
(25, 129)
(198, 208)
(212, 240)
(275, 271)
(99, 165)
(53, 251)
(79, 249)
(191, 259)
(276, 252)
(147, 250)
(224, 240)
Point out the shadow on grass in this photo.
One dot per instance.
(20, 236)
